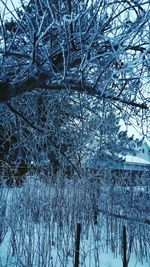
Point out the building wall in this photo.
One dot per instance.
(144, 152)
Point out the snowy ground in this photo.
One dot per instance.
(38, 225)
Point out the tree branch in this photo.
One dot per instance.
(9, 90)
(32, 125)
(124, 217)
(15, 54)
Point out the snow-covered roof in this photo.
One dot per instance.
(136, 160)
(147, 142)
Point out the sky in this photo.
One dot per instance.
(11, 4)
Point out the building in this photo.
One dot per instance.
(138, 160)
(131, 169)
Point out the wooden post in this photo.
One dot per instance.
(124, 247)
(77, 246)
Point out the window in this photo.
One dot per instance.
(142, 150)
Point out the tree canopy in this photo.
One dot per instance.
(66, 64)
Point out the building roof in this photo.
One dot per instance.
(147, 142)
(136, 160)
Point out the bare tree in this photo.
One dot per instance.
(61, 61)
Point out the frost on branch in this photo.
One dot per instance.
(73, 62)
